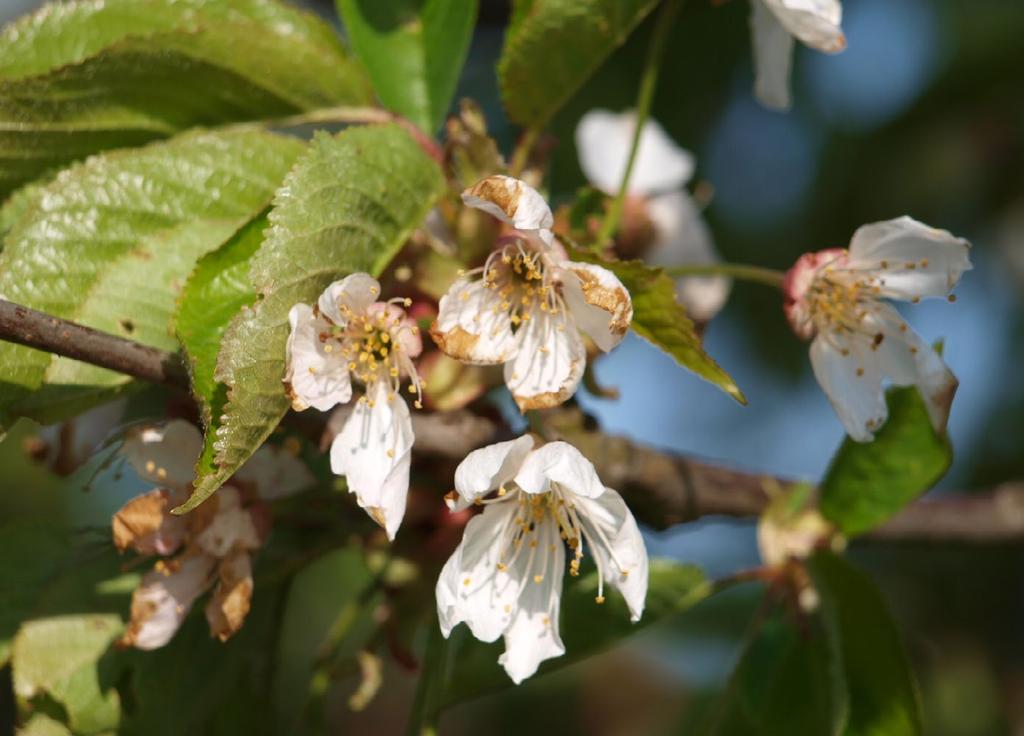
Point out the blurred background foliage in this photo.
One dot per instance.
(922, 115)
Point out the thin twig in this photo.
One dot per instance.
(741, 272)
(645, 96)
(42, 331)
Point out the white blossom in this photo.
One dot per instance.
(528, 304)
(350, 335)
(505, 578)
(835, 298)
(215, 541)
(774, 24)
(657, 183)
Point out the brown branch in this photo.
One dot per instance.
(41, 331)
(663, 489)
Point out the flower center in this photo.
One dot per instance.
(371, 342)
(539, 521)
(521, 278)
(839, 303)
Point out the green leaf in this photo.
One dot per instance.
(41, 724)
(788, 680)
(348, 205)
(327, 610)
(216, 292)
(29, 555)
(553, 46)
(882, 691)
(413, 50)
(661, 320)
(586, 628)
(110, 244)
(83, 77)
(61, 657)
(198, 685)
(868, 482)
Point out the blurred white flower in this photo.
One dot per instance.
(657, 183)
(835, 297)
(505, 578)
(349, 335)
(528, 304)
(216, 540)
(773, 25)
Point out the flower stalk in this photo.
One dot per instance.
(648, 83)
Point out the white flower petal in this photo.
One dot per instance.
(485, 469)
(910, 361)
(165, 454)
(164, 598)
(232, 527)
(773, 57)
(858, 399)
(912, 259)
(276, 472)
(549, 364)
(815, 22)
(354, 293)
(471, 588)
(515, 202)
(598, 301)
(532, 636)
(603, 140)
(683, 238)
(616, 540)
(472, 327)
(561, 463)
(314, 376)
(374, 451)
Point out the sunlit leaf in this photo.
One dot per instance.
(553, 46)
(87, 76)
(868, 482)
(112, 241)
(216, 291)
(660, 319)
(413, 50)
(349, 204)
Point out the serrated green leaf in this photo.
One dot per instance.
(586, 628)
(413, 51)
(553, 46)
(326, 604)
(349, 204)
(60, 657)
(216, 291)
(110, 244)
(661, 320)
(882, 691)
(85, 77)
(868, 482)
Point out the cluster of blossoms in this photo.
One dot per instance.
(528, 308)
(210, 548)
